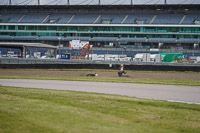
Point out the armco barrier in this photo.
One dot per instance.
(12, 63)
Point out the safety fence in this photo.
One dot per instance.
(60, 61)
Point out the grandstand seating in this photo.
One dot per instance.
(188, 40)
(133, 39)
(25, 37)
(58, 18)
(48, 38)
(190, 18)
(164, 40)
(54, 38)
(107, 18)
(135, 46)
(168, 19)
(33, 18)
(135, 18)
(84, 18)
(75, 38)
(10, 18)
(5, 37)
(28, 37)
(111, 18)
(104, 38)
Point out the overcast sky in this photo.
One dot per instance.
(94, 2)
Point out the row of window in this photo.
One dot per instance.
(76, 35)
(102, 29)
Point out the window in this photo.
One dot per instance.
(11, 27)
(1, 27)
(61, 28)
(42, 28)
(21, 27)
(31, 28)
(52, 28)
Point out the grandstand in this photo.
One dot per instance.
(158, 25)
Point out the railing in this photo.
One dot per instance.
(147, 50)
(61, 61)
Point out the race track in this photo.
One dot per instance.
(186, 94)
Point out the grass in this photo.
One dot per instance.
(110, 79)
(99, 70)
(24, 110)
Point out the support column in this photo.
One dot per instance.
(38, 2)
(10, 2)
(55, 53)
(196, 46)
(160, 45)
(24, 52)
(59, 38)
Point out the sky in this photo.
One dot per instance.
(95, 2)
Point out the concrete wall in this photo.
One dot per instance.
(102, 66)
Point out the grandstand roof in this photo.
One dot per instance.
(99, 2)
(17, 44)
(102, 8)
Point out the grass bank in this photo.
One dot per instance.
(25, 110)
(110, 79)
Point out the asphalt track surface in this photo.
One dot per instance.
(177, 93)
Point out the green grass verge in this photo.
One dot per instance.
(25, 110)
(110, 79)
(86, 70)
(99, 70)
